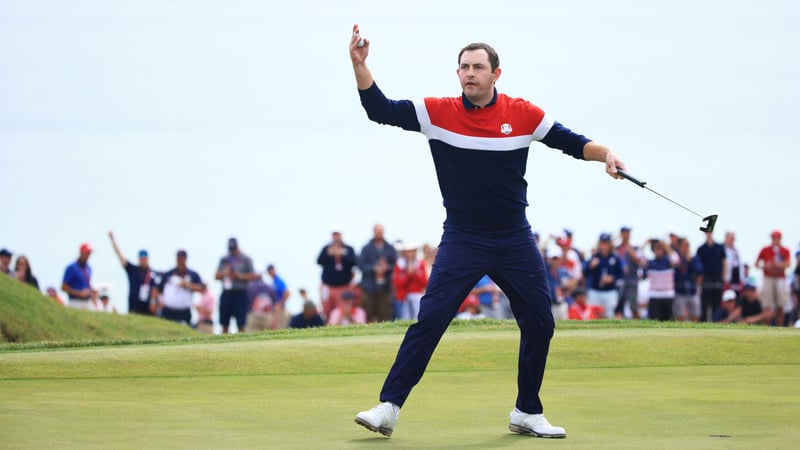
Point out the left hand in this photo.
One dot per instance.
(613, 163)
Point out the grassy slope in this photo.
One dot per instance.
(28, 316)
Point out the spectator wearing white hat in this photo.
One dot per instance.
(410, 278)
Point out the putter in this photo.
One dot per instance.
(710, 221)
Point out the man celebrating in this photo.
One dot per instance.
(141, 280)
(479, 142)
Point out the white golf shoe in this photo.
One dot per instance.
(380, 419)
(534, 425)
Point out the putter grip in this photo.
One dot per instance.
(631, 178)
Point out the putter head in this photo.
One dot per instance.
(710, 222)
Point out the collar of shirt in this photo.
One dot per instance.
(469, 105)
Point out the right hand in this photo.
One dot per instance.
(358, 54)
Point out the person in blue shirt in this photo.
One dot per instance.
(603, 272)
(479, 142)
(77, 281)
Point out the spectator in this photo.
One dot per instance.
(581, 310)
(795, 288)
(661, 273)
(52, 293)
(631, 258)
(261, 298)
(105, 302)
(175, 292)
(488, 295)
(77, 281)
(734, 271)
(141, 280)
(429, 255)
(752, 310)
(409, 278)
(308, 318)
(712, 258)
(774, 259)
(559, 281)
(278, 285)
(729, 311)
(280, 317)
(338, 261)
(24, 273)
(570, 257)
(603, 271)
(347, 313)
(205, 311)
(688, 273)
(235, 270)
(5, 262)
(471, 308)
(376, 261)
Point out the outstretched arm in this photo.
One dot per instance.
(593, 151)
(358, 56)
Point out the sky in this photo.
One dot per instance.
(180, 124)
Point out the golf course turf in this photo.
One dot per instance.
(610, 384)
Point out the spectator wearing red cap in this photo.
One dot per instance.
(773, 260)
(77, 281)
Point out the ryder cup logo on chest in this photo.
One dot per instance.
(505, 128)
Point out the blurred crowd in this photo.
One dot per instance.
(658, 279)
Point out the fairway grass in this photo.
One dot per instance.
(627, 387)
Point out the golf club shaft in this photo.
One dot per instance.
(643, 184)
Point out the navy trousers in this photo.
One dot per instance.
(512, 259)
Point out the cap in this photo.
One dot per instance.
(554, 251)
(103, 293)
(564, 240)
(578, 292)
(182, 254)
(270, 266)
(605, 237)
(406, 246)
(749, 287)
(232, 244)
(142, 253)
(472, 300)
(730, 294)
(86, 248)
(776, 233)
(624, 229)
(568, 232)
(309, 304)
(336, 229)
(5, 252)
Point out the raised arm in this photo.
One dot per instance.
(358, 56)
(121, 257)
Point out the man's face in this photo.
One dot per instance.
(5, 261)
(476, 76)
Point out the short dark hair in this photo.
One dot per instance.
(494, 59)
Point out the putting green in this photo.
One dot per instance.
(611, 388)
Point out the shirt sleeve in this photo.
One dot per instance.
(399, 113)
(566, 140)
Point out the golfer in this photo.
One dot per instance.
(479, 143)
